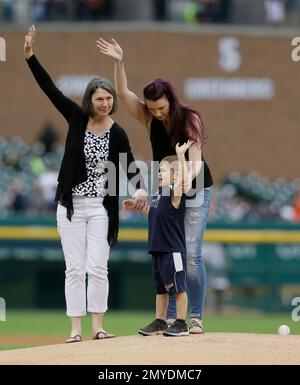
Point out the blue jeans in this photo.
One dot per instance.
(196, 218)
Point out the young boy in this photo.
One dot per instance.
(166, 242)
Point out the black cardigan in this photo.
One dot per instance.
(73, 169)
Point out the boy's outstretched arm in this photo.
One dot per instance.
(182, 173)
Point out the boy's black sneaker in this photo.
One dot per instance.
(178, 329)
(156, 327)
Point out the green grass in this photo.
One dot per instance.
(127, 323)
(12, 347)
(57, 323)
(249, 323)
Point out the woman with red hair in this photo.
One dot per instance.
(170, 122)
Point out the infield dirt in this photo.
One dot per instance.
(210, 348)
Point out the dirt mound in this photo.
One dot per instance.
(210, 348)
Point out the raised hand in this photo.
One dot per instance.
(180, 150)
(113, 50)
(29, 40)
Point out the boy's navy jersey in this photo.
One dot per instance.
(166, 223)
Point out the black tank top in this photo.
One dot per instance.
(162, 147)
(166, 223)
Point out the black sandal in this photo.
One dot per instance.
(76, 338)
(101, 334)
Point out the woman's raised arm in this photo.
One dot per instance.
(134, 105)
(63, 104)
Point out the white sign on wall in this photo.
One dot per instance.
(229, 88)
(73, 85)
(2, 49)
(229, 54)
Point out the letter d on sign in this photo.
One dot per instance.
(2, 309)
(2, 49)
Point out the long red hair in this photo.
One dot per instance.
(181, 116)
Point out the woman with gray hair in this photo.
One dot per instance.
(87, 211)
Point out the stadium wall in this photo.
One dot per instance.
(245, 84)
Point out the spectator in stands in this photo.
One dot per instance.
(160, 10)
(36, 160)
(16, 199)
(225, 11)
(275, 11)
(48, 137)
(296, 206)
(38, 10)
(292, 12)
(47, 183)
(7, 10)
(87, 214)
(208, 11)
(169, 122)
(36, 204)
(93, 9)
(12, 160)
(51, 10)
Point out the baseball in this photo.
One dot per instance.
(283, 330)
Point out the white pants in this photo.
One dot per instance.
(86, 250)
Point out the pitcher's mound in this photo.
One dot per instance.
(210, 348)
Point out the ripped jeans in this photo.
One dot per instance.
(196, 217)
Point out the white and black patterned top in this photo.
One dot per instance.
(96, 155)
